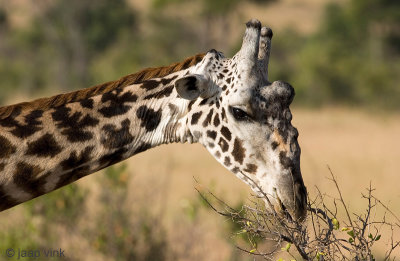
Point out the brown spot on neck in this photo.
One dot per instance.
(45, 146)
(5, 200)
(251, 168)
(238, 151)
(6, 148)
(27, 178)
(207, 120)
(223, 144)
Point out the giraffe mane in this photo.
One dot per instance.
(76, 96)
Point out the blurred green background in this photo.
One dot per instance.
(341, 54)
(351, 56)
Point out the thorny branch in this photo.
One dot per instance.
(321, 236)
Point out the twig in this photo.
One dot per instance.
(327, 242)
(340, 195)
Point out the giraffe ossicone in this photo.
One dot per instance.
(227, 105)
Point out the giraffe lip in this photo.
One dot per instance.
(282, 209)
(286, 213)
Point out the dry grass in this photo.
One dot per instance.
(360, 147)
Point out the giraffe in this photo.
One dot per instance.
(227, 105)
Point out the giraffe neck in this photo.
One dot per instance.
(42, 149)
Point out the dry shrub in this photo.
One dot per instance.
(322, 236)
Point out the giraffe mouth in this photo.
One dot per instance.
(292, 211)
(280, 208)
(291, 203)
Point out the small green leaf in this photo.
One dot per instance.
(345, 229)
(378, 237)
(351, 240)
(351, 233)
(370, 236)
(319, 255)
(335, 223)
(287, 247)
(280, 259)
(253, 250)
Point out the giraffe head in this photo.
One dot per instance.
(245, 121)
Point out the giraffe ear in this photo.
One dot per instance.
(192, 86)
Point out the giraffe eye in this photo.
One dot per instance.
(239, 114)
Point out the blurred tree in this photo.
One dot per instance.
(3, 18)
(59, 46)
(208, 13)
(122, 231)
(353, 59)
(8, 68)
(78, 31)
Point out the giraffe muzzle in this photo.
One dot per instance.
(291, 199)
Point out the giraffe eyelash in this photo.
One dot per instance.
(239, 114)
